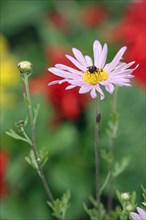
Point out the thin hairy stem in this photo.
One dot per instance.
(97, 159)
(34, 148)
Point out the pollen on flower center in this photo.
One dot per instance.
(94, 75)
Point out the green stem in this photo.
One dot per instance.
(123, 214)
(105, 183)
(26, 136)
(111, 144)
(40, 170)
(97, 159)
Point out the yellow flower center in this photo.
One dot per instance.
(94, 75)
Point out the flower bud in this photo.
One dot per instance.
(25, 67)
(125, 196)
(20, 123)
(129, 208)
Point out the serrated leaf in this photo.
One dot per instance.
(14, 135)
(60, 206)
(93, 212)
(43, 157)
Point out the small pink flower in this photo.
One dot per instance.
(91, 75)
(141, 215)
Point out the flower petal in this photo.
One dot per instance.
(70, 87)
(79, 56)
(135, 216)
(84, 89)
(109, 87)
(103, 56)
(93, 93)
(123, 65)
(63, 73)
(88, 61)
(64, 67)
(53, 82)
(76, 63)
(97, 48)
(76, 82)
(102, 96)
(116, 59)
(123, 71)
(142, 213)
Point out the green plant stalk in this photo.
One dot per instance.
(105, 183)
(111, 145)
(97, 170)
(34, 148)
(26, 136)
(123, 214)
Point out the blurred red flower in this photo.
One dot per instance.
(93, 15)
(132, 31)
(58, 20)
(4, 159)
(67, 104)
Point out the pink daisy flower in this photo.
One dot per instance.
(141, 215)
(91, 75)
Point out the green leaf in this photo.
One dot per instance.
(60, 206)
(43, 155)
(14, 135)
(120, 167)
(26, 121)
(144, 193)
(133, 198)
(105, 155)
(26, 99)
(36, 111)
(93, 212)
(113, 124)
(31, 160)
(119, 196)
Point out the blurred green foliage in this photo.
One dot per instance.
(70, 147)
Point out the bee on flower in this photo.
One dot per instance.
(90, 74)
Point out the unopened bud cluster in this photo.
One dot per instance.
(25, 67)
(125, 196)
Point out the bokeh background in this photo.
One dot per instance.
(43, 32)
